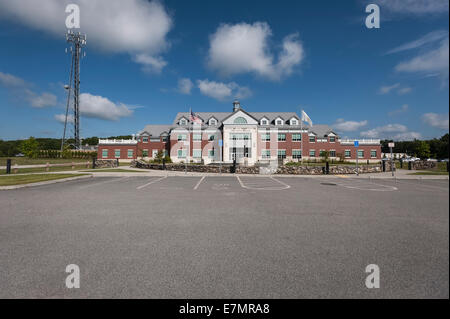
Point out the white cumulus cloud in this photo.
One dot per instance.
(434, 61)
(244, 48)
(436, 120)
(61, 118)
(185, 86)
(348, 126)
(398, 132)
(21, 89)
(94, 106)
(132, 26)
(223, 91)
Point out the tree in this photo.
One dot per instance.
(159, 156)
(30, 147)
(422, 149)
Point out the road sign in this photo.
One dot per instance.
(391, 145)
(220, 143)
(356, 143)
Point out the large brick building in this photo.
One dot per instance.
(248, 137)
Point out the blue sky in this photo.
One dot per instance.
(146, 61)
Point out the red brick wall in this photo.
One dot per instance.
(111, 151)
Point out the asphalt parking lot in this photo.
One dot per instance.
(226, 237)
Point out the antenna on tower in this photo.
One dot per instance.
(77, 43)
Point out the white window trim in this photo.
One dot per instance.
(103, 153)
(292, 121)
(345, 151)
(376, 152)
(128, 153)
(315, 154)
(292, 137)
(115, 152)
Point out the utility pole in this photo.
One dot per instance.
(78, 41)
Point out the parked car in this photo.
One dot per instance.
(432, 160)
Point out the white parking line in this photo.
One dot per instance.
(152, 182)
(105, 182)
(199, 182)
(282, 183)
(426, 186)
(251, 185)
(360, 185)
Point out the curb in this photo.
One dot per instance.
(5, 188)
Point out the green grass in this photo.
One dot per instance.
(12, 180)
(114, 170)
(43, 169)
(429, 173)
(37, 161)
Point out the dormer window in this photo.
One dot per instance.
(264, 122)
(183, 122)
(279, 121)
(294, 122)
(212, 122)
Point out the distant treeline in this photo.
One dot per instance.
(435, 148)
(12, 148)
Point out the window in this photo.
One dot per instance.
(197, 153)
(312, 153)
(183, 122)
(312, 139)
(265, 137)
(240, 120)
(373, 153)
(165, 138)
(296, 137)
(145, 153)
(348, 154)
(281, 137)
(279, 122)
(322, 153)
(281, 154)
(197, 137)
(294, 122)
(117, 153)
(332, 153)
(264, 122)
(240, 137)
(182, 137)
(265, 154)
(296, 154)
(181, 153)
(130, 153)
(154, 153)
(360, 154)
(332, 139)
(104, 153)
(211, 137)
(145, 139)
(212, 122)
(211, 153)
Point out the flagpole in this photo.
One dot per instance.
(301, 134)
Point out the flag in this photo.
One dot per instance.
(194, 118)
(306, 118)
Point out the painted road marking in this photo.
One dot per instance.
(152, 182)
(430, 187)
(255, 183)
(199, 182)
(361, 185)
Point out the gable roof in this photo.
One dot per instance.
(321, 130)
(156, 130)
